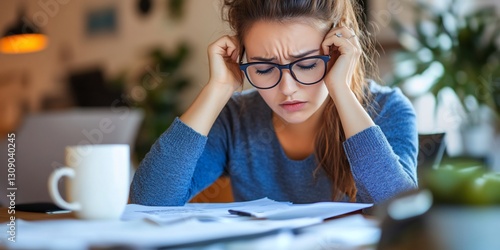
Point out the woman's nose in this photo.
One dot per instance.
(288, 85)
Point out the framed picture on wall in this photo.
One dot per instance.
(101, 21)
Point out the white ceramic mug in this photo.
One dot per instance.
(99, 180)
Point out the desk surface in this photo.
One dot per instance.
(5, 216)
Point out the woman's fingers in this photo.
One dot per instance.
(235, 51)
(223, 55)
(225, 46)
(342, 44)
(341, 37)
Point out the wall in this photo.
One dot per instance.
(32, 77)
(70, 48)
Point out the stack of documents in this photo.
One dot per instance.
(152, 227)
(323, 210)
(261, 209)
(138, 234)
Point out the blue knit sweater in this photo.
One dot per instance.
(242, 144)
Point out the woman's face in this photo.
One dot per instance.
(284, 43)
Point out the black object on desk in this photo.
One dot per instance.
(41, 207)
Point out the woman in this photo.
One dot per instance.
(315, 129)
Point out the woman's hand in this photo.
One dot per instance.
(225, 78)
(343, 46)
(222, 58)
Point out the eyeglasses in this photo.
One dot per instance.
(265, 75)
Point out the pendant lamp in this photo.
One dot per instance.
(22, 37)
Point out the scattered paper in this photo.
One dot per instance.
(263, 208)
(351, 232)
(138, 234)
(200, 211)
(322, 210)
(193, 223)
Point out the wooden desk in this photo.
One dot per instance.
(5, 216)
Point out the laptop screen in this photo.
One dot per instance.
(42, 138)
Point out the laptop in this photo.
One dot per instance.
(431, 150)
(42, 137)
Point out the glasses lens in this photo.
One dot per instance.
(310, 70)
(263, 75)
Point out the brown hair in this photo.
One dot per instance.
(329, 151)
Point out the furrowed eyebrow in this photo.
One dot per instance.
(263, 59)
(298, 56)
(304, 54)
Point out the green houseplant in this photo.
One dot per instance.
(158, 87)
(464, 50)
(161, 85)
(157, 91)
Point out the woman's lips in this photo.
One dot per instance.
(292, 106)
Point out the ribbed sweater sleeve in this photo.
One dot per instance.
(383, 157)
(172, 157)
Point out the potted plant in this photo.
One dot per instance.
(461, 51)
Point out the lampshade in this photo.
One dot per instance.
(23, 37)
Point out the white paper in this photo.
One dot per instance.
(350, 232)
(174, 226)
(262, 208)
(200, 211)
(80, 234)
(322, 210)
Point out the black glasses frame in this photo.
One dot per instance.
(244, 66)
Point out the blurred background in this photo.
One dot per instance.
(145, 53)
(78, 72)
(148, 58)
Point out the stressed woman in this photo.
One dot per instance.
(313, 128)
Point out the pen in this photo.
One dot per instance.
(57, 211)
(240, 213)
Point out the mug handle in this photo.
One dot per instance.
(54, 191)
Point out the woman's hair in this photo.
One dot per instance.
(329, 151)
